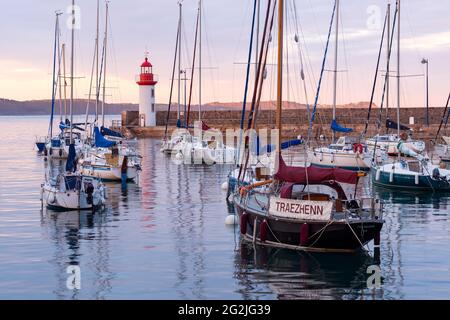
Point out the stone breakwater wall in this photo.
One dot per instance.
(295, 122)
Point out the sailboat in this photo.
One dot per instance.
(302, 208)
(187, 147)
(71, 190)
(57, 147)
(418, 173)
(168, 143)
(386, 144)
(346, 152)
(110, 160)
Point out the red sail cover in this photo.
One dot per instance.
(205, 127)
(314, 175)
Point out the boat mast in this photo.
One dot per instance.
(65, 80)
(280, 72)
(335, 66)
(398, 70)
(59, 80)
(54, 83)
(388, 57)
(97, 84)
(200, 62)
(104, 70)
(72, 70)
(179, 59)
(257, 36)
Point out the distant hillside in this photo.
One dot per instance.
(42, 107)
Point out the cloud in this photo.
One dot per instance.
(27, 70)
(434, 41)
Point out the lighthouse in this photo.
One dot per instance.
(147, 81)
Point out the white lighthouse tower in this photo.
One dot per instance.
(147, 81)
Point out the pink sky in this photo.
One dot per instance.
(136, 25)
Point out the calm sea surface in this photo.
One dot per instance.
(166, 239)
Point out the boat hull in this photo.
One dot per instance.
(70, 200)
(408, 181)
(338, 236)
(107, 173)
(348, 161)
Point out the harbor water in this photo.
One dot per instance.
(165, 238)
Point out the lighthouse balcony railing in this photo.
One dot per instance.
(145, 77)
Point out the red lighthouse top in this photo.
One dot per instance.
(146, 76)
(146, 64)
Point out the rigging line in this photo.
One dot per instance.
(247, 79)
(99, 85)
(193, 69)
(386, 80)
(90, 90)
(258, 101)
(375, 79)
(58, 81)
(50, 129)
(300, 52)
(264, 49)
(321, 75)
(445, 118)
(172, 83)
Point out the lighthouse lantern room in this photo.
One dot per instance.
(147, 108)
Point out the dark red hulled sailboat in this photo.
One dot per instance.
(308, 209)
(303, 208)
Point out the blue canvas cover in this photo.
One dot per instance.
(101, 141)
(56, 143)
(70, 164)
(336, 127)
(111, 133)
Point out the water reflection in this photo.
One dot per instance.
(301, 275)
(165, 238)
(73, 234)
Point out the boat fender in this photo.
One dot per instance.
(378, 174)
(332, 158)
(90, 192)
(51, 198)
(244, 220)
(263, 231)
(45, 152)
(391, 176)
(304, 235)
(416, 178)
(321, 156)
(224, 186)
(51, 151)
(230, 220)
(60, 152)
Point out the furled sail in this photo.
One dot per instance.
(70, 164)
(336, 127)
(111, 133)
(393, 125)
(101, 141)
